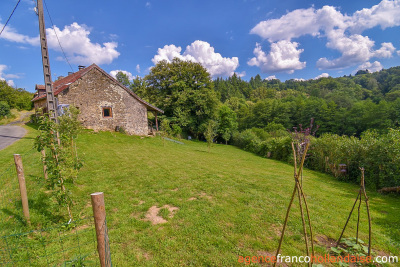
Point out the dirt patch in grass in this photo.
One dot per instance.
(153, 216)
(201, 195)
(325, 241)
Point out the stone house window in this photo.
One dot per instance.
(107, 112)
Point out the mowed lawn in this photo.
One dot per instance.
(229, 202)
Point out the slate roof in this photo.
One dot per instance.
(63, 83)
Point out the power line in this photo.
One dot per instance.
(59, 43)
(10, 17)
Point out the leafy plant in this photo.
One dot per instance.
(350, 246)
(61, 157)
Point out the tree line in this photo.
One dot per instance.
(346, 105)
(355, 115)
(13, 98)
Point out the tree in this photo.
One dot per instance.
(210, 132)
(123, 78)
(4, 109)
(227, 122)
(184, 90)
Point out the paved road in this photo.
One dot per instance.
(10, 134)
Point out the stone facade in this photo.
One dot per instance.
(104, 103)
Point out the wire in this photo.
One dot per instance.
(10, 17)
(59, 43)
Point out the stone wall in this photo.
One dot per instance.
(40, 104)
(95, 91)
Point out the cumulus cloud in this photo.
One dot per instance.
(78, 46)
(371, 67)
(342, 31)
(12, 35)
(75, 42)
(283, 57)
(272, 77)
(114, 73)
(6, 77)
(199, 52)
(323, 75)
(385, 14)
(138, 68)
(294, 24)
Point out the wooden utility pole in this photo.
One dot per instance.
(50, 100)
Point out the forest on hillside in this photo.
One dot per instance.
(13, 98)
(358, 116)
(347, 105)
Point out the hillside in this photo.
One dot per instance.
(229, 202)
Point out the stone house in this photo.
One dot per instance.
(104, 103)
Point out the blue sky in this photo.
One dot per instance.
(282, 39)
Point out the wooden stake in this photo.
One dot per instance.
(22, 186)
(99, 214)
(44, 164)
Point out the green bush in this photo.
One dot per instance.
(4, 109)
(378, 153)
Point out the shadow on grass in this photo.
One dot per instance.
(17, 217)
(32, 125)
(43, 205)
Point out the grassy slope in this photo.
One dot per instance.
(241, 200)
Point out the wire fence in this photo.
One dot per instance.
(66, 244)
(108, 262)
(72, 244)
(11, 215)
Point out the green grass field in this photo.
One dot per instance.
(230, 203)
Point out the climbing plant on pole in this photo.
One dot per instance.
(300, 146)
(61, 157)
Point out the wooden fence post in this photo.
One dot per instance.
(44, 164)
(99, 214)
(22, 186)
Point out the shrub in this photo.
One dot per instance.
(4, 109)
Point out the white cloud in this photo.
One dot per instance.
(371, 67)
(199, 52)
(7, 77)
(386, 51)
(294, 24)
(355, 49)
(148, 5)
(342, 31)
(272, 77)
(240, 74)
(299, 79)
(78, 46)
(127, 73)
(283, 57)
(138, 68)
(323, 75)
(75, 42)
(11, 34)
(385, 14)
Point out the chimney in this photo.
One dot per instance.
(81, 67)
(70, 72)
(60, 77)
